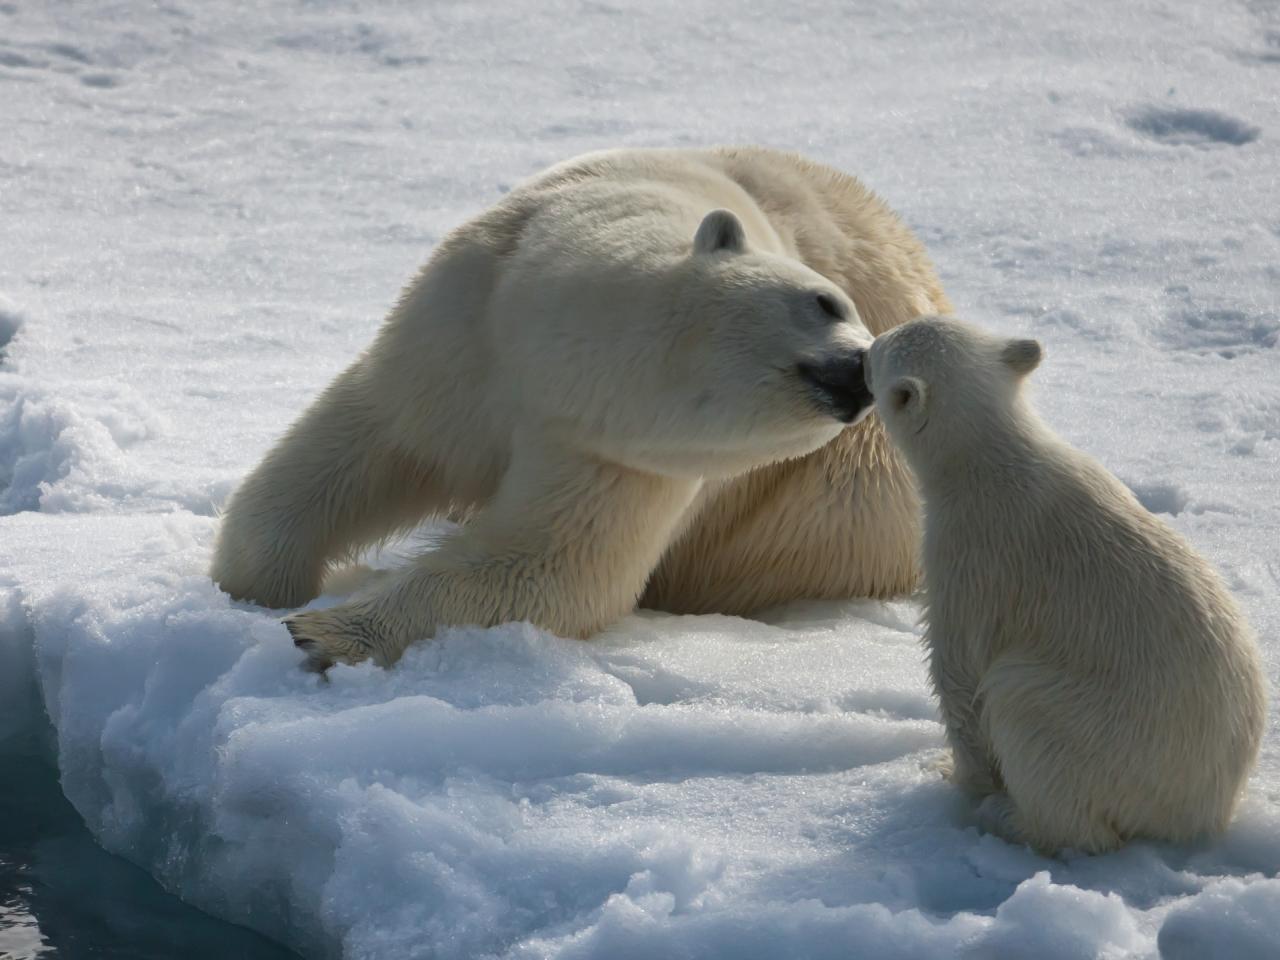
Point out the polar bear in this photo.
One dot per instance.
(637, 377)
(1096, 680)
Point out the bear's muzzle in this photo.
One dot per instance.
(839, 385)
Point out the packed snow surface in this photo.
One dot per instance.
(207, 209)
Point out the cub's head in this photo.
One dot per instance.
(770, 352)
(941, 385)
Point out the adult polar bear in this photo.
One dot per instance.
(619, 414)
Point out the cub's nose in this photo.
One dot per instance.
(839, 384)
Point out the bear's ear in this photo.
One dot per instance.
(1022, 356)
(908, 394)
(720, 230)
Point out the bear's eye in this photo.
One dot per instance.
(832, 307)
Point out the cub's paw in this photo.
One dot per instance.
(336, 635)
(939, 762)
(973, 777)
(998, 816)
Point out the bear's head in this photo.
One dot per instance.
(942, 386)
(767, 358)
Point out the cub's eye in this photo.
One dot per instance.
(832, 307)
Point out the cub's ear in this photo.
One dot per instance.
(1022, 356)
(720, 230)
(908, 394)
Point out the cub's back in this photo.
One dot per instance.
(1062, 559)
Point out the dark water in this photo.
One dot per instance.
(62, 897)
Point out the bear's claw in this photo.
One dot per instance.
(328, 637)
(315, 662)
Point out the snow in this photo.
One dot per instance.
(207, 209)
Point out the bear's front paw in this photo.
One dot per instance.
(336, 635)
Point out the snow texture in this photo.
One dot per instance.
(207, 209)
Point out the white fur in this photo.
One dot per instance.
(599, 375)
(1096, 679)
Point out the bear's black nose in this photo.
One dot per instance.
(839, 384)
(832, 307)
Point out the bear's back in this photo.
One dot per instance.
(788, 204)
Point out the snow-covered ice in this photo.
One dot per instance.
(208, 207)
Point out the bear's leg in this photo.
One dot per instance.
(973, 767)
(567, 544)
(1054, 739)
(327, 488)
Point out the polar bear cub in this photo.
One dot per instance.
(1096, 679)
